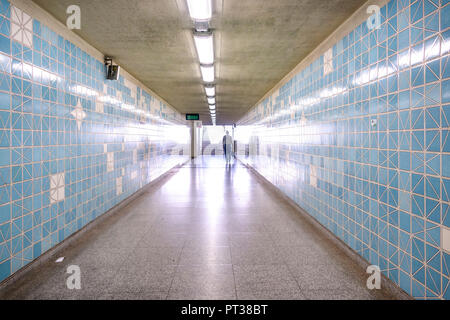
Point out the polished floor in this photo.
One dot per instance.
(206, 231)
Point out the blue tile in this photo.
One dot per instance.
(446, 165)
(5, 269)
(445, 17)
(5, 44)
(446, 91)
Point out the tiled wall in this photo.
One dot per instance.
(72, 144)
(361, 141)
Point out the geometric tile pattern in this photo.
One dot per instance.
(60, 123)
(361, 141)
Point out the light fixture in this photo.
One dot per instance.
(212, 107)
(211, 100)
(205, 47)
(210, 91)
(207, 73)
(199, 10)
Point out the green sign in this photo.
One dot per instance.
(193, 116)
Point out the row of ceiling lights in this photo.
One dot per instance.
(201, 13)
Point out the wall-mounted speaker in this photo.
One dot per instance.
(112, 71)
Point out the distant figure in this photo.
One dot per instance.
(227, 142)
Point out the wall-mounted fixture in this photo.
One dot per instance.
(112, 70)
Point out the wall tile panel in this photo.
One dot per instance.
(72, 144)
(360, 140)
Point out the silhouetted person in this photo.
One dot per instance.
(227, 142)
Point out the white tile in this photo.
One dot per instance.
(119, 185)
(110, 161)
(60, 194)
(328, 61)
(53, 196)
(446, 239)
(57, 180)
(57, 187)
(27, 22)
(27, 38)
(16, 32)
(313, 176)
(99, 107)
(16, 15)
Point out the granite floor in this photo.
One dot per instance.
(206, 231)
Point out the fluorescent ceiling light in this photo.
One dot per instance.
(212, 107)
(199, 9)
(211, 100)
(205, 48)
(210, 91)
(207, 73)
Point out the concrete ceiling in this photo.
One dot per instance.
(257, 42)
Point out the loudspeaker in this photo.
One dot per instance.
(112, 72)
